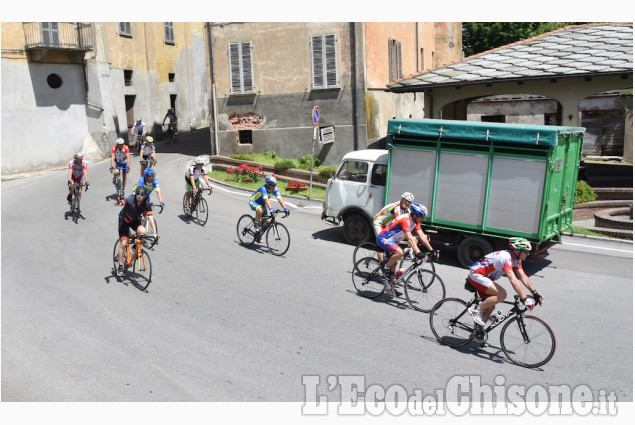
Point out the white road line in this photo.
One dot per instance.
(598, 247)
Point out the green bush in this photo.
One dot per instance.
(327, 171)
(285, 164)
(242, 156)
(271, 155)
(305, 162)
(584, 192)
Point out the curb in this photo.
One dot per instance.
(597, 238)
(244, 189)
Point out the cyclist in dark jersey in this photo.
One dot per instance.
(134, 206)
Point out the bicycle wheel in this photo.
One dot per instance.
(451, 323)
(529, 342)
(149, 230)
(368, 278)
(365, 249)
(142, 269)
(75, 207)
(245, 230)
(423, 289)
(278, 239)
(115, 255)
(201, 212)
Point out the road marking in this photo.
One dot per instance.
(597, 247)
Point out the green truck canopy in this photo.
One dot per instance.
(541, 135)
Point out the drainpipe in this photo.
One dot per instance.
(214, 105)
(354, 94)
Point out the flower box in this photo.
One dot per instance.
(296, 186)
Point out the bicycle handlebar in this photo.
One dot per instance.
(154, 204)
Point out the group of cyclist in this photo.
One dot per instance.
(402, 220)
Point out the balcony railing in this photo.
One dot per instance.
(76, 36)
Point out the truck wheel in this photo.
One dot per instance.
(356, 229)
(472, 249)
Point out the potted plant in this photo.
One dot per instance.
(296, 186)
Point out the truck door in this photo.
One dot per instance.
(350, 183)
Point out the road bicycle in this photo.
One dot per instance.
(370, 249)
(198, 210)
(526, 340)
(423, 287)
(147, 163)
(276, 234)
(137, 146)
(136, 259)
(118, 182)
(171, 134)
(148, 226)
(75, 198)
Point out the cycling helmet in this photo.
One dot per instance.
(419, 210)
(149, 139)
(120, 141)
(138, 119)
(142, 191)
(521, 244)
(169, 109)
(271, 180)
(149, 172)
(199, 161)
(408, 196)
(78, 155)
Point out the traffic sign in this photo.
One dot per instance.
(316, 116)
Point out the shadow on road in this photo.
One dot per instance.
(332, 234)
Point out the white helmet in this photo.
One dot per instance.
(408, 196)
(120, 141)
(199, 161)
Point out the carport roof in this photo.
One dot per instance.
(573, 51)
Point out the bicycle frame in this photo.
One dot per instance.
(491, 326)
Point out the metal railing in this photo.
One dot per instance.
(58, 35)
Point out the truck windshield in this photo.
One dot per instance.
(355, 171)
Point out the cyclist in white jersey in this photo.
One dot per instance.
(192, 180)
(139, 129)
(391, 212)
(508, 263)
(77, 173)
(148, 154)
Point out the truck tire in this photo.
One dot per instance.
(356, 229)
(472, 249)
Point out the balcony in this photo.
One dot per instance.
(42, 37)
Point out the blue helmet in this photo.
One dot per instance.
(271, 180)
(149, 172)
(418, 210)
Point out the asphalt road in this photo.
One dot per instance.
(221, 322)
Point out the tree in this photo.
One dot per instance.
(482, 36)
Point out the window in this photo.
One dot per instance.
(378, 178)
(171, 77)
(493, 118)
(54, 81)
(241, 67)
(324, 60)
(127, 77)
(169, 32)
(245, 137)
(354, 171)
(50, 34)
(125, 29)
(394, 59)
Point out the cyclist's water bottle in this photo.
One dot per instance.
(398, 273)
(496, 316)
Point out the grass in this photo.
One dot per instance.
(222, 176)
(587, 232)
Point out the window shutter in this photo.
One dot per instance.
(317, 62)
(169, 32)
(247, 67)
(46, 33)
(234, 67)
(391, 77)
(50, 33)
(399, 72)
(330, 49)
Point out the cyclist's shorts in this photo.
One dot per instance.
(387, 244)
(123, 165)
(124, 228)
(79, 179)
(146, 157)
(481, 283)
(254, 205)
(188, 185)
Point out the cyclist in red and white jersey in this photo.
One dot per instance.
(508, 263)
(120, 157)
(389, 213)
(77, 172)
(399, 229)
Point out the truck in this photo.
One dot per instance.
(482, 183)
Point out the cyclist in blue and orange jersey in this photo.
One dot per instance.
(193, 180)
(260, 202)
(389, 213)
(120, 157)
(399, 229)
(77, 172)
(134, 206)
(484, 272)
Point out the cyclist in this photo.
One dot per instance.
(77, 172)
(148, 154)
(192, 180)
(390, 212)
(260, 202)
(120, 157)
(139, 129)
(134, 206)
(399, 229)
(484, 272)
(172, 117)
(149, 182)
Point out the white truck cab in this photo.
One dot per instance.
(356, 192)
